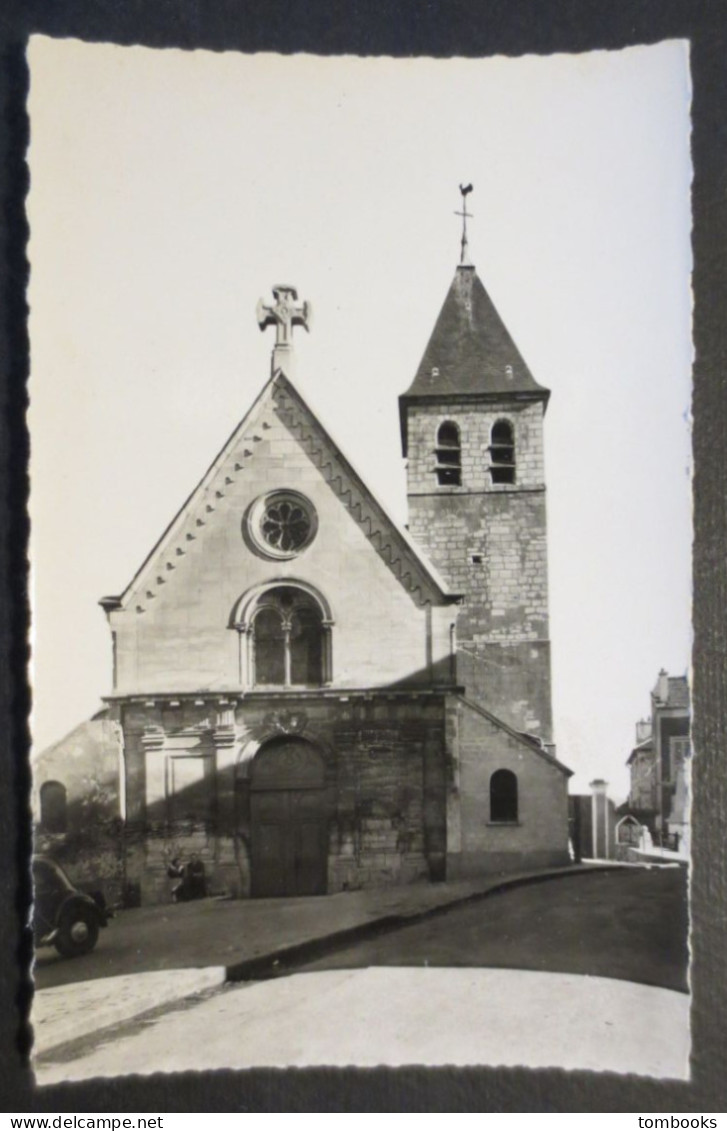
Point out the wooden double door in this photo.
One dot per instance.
(289, 810)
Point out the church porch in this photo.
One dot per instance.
(298, 794)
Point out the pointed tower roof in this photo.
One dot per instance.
(470, 355)
(470, 350)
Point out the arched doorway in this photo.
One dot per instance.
(289, 820)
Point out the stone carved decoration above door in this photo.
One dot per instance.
(285, 722)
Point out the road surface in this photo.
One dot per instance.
(627, 924)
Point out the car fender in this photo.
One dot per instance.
(74, 901)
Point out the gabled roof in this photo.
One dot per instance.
(280, 397)
(471, 353)
(78, 729)
(533, 744)
(641, 748)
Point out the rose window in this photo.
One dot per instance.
(285, 526)
(281, 524)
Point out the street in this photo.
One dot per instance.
(630, 925)
(625, 923)
(212, 932)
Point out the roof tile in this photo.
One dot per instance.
(470, 350)
(678, 694)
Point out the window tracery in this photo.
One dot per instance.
(281, 524)
(289, 640)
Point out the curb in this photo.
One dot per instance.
(278, 962)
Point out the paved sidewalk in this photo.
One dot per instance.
(393, 1017)
(109, 1001)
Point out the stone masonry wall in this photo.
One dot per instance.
(540, 836)
(475, 423)
(490, 543)
(493, 549)
(502, 525)
(386, 775)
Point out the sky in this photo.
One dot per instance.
(170, 190)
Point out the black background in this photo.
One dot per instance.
(400, 28)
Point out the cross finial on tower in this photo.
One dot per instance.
(464, 258)
(284, 315)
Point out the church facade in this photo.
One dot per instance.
(312, 699)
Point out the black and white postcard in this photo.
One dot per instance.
(361, 588)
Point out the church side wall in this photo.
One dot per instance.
(86, 764)
(539, 838)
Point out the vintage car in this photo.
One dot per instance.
(64, 916)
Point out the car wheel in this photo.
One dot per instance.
(77, 932)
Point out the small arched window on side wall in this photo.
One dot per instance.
(503, 798)
(502, 452)
(449, 455)
(53, 807)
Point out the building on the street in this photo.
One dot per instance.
(643, 790)
(656, 812)
(659, 764)
(313, 699)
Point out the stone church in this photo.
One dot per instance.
(311, 699)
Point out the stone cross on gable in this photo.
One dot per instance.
(283, 315)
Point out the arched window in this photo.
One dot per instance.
(502, 452)
(288, 639)
(269, 641)
(306, 645)
(503, 797)
(449, 455)
(53, 807)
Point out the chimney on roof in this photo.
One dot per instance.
(643, 730)
(662, 686)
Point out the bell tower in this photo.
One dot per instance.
(472, 432)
